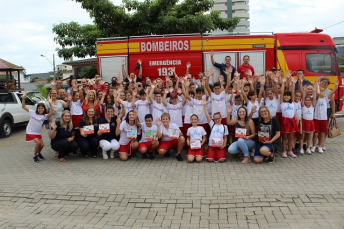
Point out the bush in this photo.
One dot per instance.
(88, 72)
(42, 90)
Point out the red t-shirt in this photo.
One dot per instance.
(85, 106)
(242, 70)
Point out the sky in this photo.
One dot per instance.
(26, 26)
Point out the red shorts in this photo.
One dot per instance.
(289, 125)
(320, 126)
(125, 149)
(297, 133)
(166, 145)
(196, 152)
(31, 137)
(216, 154)
(75, 120)
(147, 145)
(308, 126)
(279, 117)
(182, 130)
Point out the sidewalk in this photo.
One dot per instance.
(304, 192)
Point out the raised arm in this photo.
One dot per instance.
(124, 74)
(23, 101)
(229, 113)
(118, 131)
(140, 71)
(51, 108)
(331, 94)
(164, 97)
(188, 65)
(150, 96)
(204, 103)
(282, 89)
(212, 57)
(229, 75)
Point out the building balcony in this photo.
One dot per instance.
(241, 14)
(243, 23)
(240, 1)
(240, 7)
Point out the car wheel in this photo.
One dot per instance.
(5, 129)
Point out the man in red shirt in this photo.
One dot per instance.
(245, 67)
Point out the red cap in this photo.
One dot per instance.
(173, 95)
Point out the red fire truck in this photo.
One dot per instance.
(314, 52)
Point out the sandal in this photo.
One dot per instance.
(62, 160)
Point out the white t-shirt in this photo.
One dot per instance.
(157, 110)
(128, 107)
(308, 112)
(144, 127)
(235, 109)
(218, 104)
(321, 109)
(199, 111)
(58, 110)
(249, 108)
(165, 133)
(142, 107)
(35, 123)
(125, 127)
(217, 131)
(272, 105)
(76, 108)
(298, 110)
(189, 110)
(196, 133)
(175, 112)
(288, 110)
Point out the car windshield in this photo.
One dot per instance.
(319, 63)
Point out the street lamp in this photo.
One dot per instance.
(53, 64)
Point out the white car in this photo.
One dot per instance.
(11, 111)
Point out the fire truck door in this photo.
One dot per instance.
(110, 66)
(219, 57)
(257, 60)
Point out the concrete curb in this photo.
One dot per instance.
(339, 115)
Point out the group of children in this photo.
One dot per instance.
(153, 118)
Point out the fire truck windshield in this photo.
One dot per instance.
(320, 63)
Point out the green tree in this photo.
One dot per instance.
(42, 89)
(134, 18)
(88, 72)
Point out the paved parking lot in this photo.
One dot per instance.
(306, 192)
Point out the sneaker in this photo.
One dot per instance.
(320, 150)
(296, 152)
(167, 154)
(291, 154)
(112, 154)
(304, 146)
(272, 159)
(133, 154)
(86, 156)
(179, 157)
(35, 159)
(313, 149)
(308, 151)
(105, 155)
(144, 156)
(40, 156)
(151, 156)
(284, 154)
(324, 148)
(302, 152)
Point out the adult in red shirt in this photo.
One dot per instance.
(91, 101)
(245, 67)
